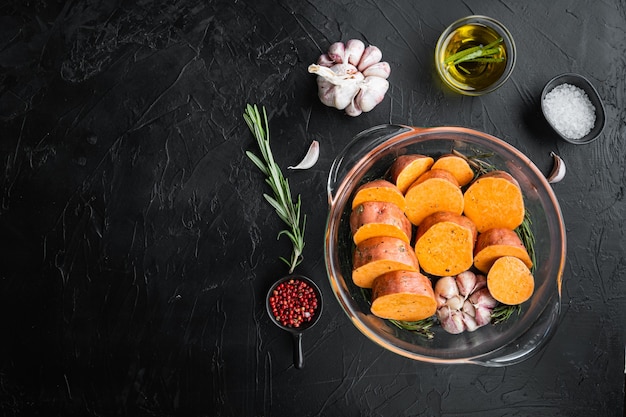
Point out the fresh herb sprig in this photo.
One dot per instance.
(286, 208)
(479, 53)
(421, 327)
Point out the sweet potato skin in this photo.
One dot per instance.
(406, 169)
(494, 200)
(510, 281)
(379, 190)
(378, 218)
(379, 255)
(495, 243)
(436, 190)
(403, 295)
(457, 166)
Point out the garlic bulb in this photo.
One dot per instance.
(351, 77)
(463, 302)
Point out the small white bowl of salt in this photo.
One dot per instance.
(573, 108)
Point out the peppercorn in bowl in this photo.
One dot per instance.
(394, 283)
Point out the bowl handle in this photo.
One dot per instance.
(359, 147)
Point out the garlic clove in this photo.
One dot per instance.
(337, 52)
(354, 51)
(558, 169)
(469, 322)
(325, 61)
(353, 109)
(344, 95)
(483, 316)
(373, 90)
(483, 299)
(446, 287)
(371, 55)
(466, 281)
(380, 69)
(455, 302)
(310, 158)
(451, 321)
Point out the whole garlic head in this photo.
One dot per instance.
(351, 77)
(464, 302)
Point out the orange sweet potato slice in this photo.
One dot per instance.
(403, 295)
(510, 281)
(446, 246)
(378, 218)
(494, 200)
(379, 255)
(379, 190)
(457, 166)
(496, 243)
(406, 169)
(436, 190)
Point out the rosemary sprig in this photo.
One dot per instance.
(421, 327)
(286, 208)
(503, 312)
(477, 54)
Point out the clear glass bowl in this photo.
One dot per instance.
(483, 77)
(367, 157)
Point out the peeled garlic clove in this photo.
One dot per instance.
(310, 158)
(372, 92)
(558, 169)
(371, 55)
(380, 69)
(337, 52)
(354, 51)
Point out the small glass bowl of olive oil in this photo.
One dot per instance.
(475, 55)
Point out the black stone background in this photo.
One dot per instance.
(136, 248)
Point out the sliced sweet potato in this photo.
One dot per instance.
(445, 245)
(510, 281)
(406, 169)
(443, 216)
(378, 218)
(436, 190)
(496, 243)
(379, 190)
(379, 255)
(494, 200)
(403, 295)
(457, 166)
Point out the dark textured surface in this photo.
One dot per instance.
(137, 249)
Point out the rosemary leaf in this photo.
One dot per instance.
(281, 200)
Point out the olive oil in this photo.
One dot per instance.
(476, 74)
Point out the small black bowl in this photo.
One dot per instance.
(584, 84)
(296, 332)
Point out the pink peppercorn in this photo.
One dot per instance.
(293, 303)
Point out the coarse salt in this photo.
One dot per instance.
(570, 111)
